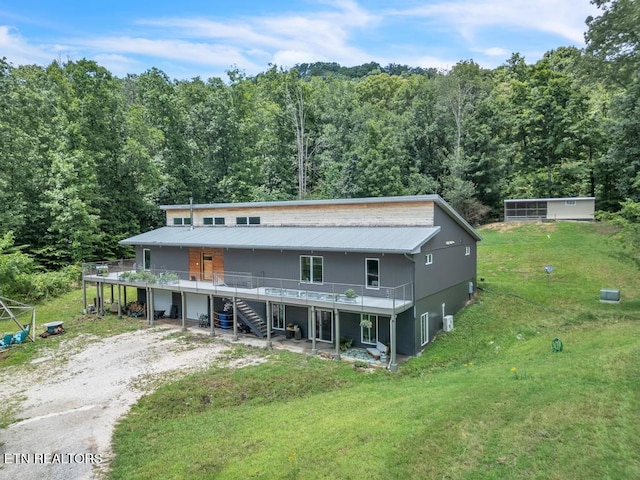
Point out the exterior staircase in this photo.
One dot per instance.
(251, 319)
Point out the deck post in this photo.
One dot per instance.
(119, 302)
(32, 333)
(393, 365)
(84, 296)
(235, 319)
(269, 318)
(212, 333)
(150, 303)
(97, 302)
(337, 316)
(314, 348)
(146, 306)
(183, 306)
(102, 299)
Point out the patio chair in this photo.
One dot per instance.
(21, 336)
(7, 340)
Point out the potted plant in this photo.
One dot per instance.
(345, 343)
(350, 293)
(366, 323)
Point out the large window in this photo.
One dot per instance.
(146, 259)
(182, 220)
(369, 328)
(372, 272)
(277, 316)
(311, 269)
(424, 328)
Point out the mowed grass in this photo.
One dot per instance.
(68, 309)
(492, 399)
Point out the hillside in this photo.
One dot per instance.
(492, 399)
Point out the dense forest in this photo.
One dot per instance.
(86, 157)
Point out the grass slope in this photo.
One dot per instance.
(489, 400)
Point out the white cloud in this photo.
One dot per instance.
(564, 18)
(19, 52)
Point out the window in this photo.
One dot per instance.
(467, 250)
(369, 328)
(428, 259)
(570, 202)
(146, 259)
(311, 269)
(424, 328)
(247, 220)
(277, 316)
(372, 272)
(182, 220)
(213, 221)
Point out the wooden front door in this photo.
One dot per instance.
(207, 266)
(204, 263)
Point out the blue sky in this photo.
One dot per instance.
(190, 38)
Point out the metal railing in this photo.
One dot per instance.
(239, 283)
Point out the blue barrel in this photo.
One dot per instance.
(226, 320)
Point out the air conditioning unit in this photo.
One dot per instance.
(610, 295)
(447, 324)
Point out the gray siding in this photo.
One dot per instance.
(450, 264)
(346, 268)
(445, 281)
(165, 258)
(453, 298)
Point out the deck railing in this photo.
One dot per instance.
(127, 272)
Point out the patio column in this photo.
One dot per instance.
(393, 365)
(235, 319)
(211, 312)
(337, 317)
(269, 344)
(314, 348)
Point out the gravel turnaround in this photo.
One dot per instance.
(66, 403)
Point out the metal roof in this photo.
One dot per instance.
(558, 199)
(343, 239)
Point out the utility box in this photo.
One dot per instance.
(447, 324)
(610, 295)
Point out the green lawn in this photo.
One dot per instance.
(491, 399)
(67, 308)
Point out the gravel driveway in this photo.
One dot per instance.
(68, 401)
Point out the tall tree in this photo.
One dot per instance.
(614, 38)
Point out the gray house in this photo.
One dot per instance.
(570, 208)
(390, 270)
